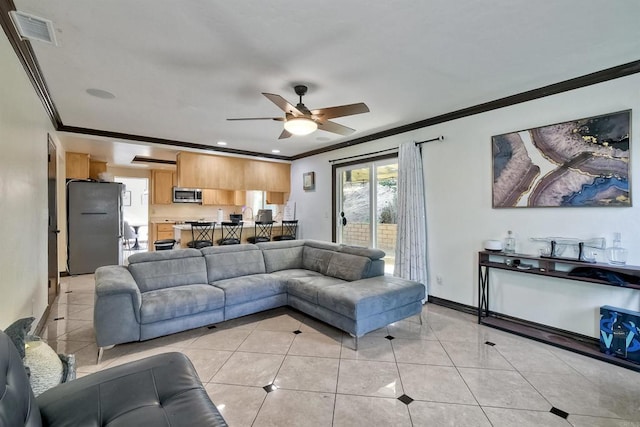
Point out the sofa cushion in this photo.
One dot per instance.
(164, 304)
(368, 297)
(282, 255)
(224, 262)
(348, 267)
(308, 287)
(167, 269)
(248, 288)
(316, 259)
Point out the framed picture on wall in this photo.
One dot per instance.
(309, 181)
(126, 198)
(580, 163)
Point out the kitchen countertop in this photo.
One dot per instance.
(244, 224)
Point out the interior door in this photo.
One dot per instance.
(53, 284)
(366, 201)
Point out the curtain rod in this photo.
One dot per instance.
(439, 138)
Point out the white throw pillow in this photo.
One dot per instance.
(44, 364)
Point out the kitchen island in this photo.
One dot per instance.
(182, 232)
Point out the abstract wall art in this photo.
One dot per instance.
(580, 163)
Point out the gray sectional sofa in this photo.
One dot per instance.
(160, 293)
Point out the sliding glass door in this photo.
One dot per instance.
(366, 200)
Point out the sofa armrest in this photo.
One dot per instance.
(158, 390)
(116, 316)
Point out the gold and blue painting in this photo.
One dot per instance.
(580, 163)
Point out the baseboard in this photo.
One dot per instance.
(43, 321)
(469, 309)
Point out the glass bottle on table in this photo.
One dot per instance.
(616, 254)
(510, 243)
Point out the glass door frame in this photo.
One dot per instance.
(335, 195)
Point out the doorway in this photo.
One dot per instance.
(366, 196)
(53, 284)
(135, 214)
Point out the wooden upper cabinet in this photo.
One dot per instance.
(267, 176)
(96, 168)
(217, 197)
(162, 183)
(77, 165)
(231, 173)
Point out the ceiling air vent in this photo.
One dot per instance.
(33, 27)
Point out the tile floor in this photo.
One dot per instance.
(282, 368)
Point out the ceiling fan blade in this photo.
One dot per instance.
(278, 119)
(284, 134)
(283, 104)
(334, 127)
(340, 111)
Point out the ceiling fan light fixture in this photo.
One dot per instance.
(300, 126)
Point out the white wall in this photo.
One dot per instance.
(23, 193)
(459, 214)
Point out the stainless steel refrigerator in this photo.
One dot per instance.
(94, 225)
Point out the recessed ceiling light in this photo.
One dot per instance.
(99, 93)
(275, 151)
(221, 143)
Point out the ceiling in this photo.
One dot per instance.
(178, 70)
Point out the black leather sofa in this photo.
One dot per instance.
(162, 390)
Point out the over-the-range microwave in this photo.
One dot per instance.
(187, 195)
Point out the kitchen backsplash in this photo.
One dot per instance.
(190, 211)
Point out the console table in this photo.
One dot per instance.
(546, 267)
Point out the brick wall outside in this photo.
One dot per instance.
(358, 234)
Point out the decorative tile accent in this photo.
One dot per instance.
(490, 343)
(390, 337)
(405, 399)
(559, 412)
(298, 331)
(270, 387)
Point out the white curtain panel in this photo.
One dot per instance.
(411, 245)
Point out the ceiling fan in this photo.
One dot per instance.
(299, 120)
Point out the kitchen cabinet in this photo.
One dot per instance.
(275, 198)
(207, 171)
(267, 176)
(231, 173)
(96, 168)
(162, 183)
(159, 231)
(217, 197)
(77, 165)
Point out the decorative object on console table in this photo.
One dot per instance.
(309, 181)
(616, 254)
(510, 243)
(620, 332)
(588, 161)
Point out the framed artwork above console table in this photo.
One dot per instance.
(579, 163)
(627, 277)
